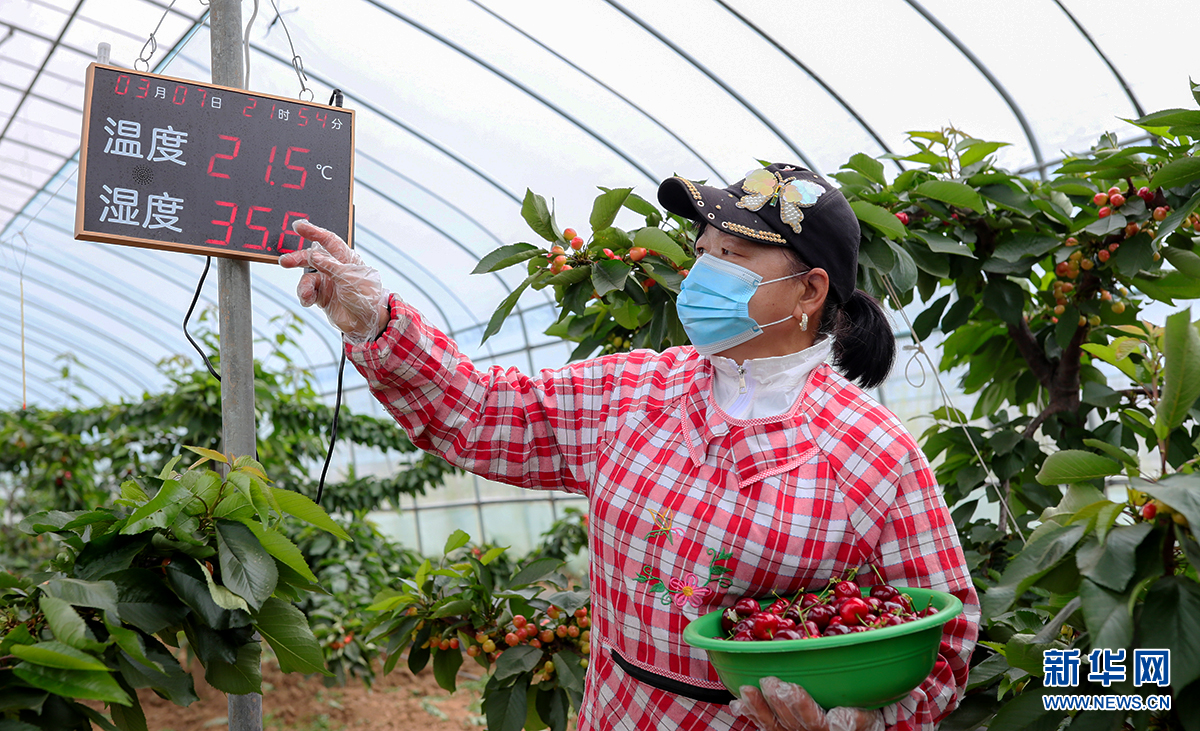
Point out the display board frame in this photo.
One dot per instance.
(94, 199)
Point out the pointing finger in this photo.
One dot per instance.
(326, 238)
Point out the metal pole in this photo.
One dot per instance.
(237, 338)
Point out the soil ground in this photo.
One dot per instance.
(397, 702)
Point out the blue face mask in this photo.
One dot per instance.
(714, 301)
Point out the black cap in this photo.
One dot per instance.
(781, 205)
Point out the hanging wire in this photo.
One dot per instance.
(151, 43)
(246, 46)
(297, 62)
(918, 349)
(188, 316)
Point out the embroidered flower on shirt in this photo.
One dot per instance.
(664, 525)
(689, 591)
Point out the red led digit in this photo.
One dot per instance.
(287, 162)
(287, 231)
(122, 86)
(203, 98)
(321, 117)
(302, 116)
(144, 87)
(177, 99)
(251, 226)
(237, 145)
(227, 224)
(270, 162)
(246, 111)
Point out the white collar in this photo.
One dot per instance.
(764, 387)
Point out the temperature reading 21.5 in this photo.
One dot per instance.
(258, 227)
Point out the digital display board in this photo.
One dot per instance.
(180, 165)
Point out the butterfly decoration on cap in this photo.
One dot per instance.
(763, 187)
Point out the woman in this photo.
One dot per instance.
(743, 464)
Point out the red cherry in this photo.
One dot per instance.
(860, 628)
(929, 611)
(729, 619)
(853, 610)
(569, 233)
(778, 607)
(1062, 268)
(890, 620)
(743, 637)
(637, 253)
(1100, 199)
(809, 600)
(875, 605)
(837, 629)
(903, 217)
(1116, 200)
(1105, 211)
(1145, 194)
(1160, 213)
(1113, 191)
(519, 621)
(765, 626)
(785, 623)
(1103, 255)
(746, 607)
(512, 639)
(846, 590)
(821, 615)
(1149, 510)
(609, 254)
(884, 592)
(788, 634)
(577, 243)
(794, 613)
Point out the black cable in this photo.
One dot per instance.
(335, 99)
(188, 316)
(337, 405)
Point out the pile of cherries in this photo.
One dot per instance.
(838, 610)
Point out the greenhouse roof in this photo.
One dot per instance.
(464, 104)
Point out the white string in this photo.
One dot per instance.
(297, 62)
(246, 46)
(951, 411)
(151, 42)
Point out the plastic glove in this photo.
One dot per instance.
(781, 706)
(350, 292)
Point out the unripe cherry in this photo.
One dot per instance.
(1106, 295)
(1087, 264)
(473, 651)
(1103, 255)
(637, 253)
(1059, 309)
(1160, 213)
(453, 643)
(1100, 199)
(489, 646)
(1094, 320)
(1118, 307)
(561, 631)
(569, 233)
(1113, 191)
(535, 642)
(1131, 230)
(1072, 241)
(511, 639)
(546, 636)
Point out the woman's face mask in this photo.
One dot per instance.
(714, 304)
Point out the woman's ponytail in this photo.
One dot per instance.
(864, 346)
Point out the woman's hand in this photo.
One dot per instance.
(781, 706)
(349, 291)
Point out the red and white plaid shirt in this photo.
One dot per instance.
(689, 508)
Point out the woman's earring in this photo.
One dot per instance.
(804, 322)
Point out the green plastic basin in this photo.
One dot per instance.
(863, 670)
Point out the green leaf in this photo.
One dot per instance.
(9, 724)
(282, 548)
(517, 660)
(240, 678)
(1113, 451)
(455, 541)
(1171, 223)
(1180, 491)
(904, 274)
(58, 655)
(222, 596)
(570, 675)
(495, 323)
(492, 554)
(868, 166)
(1106, 614)
(145, 602)
(286, 629)
(66, 624)
(445, 668)
(207, 454)
(537, 215)
(956, 194)
(246, 568)
(1007, 197)
(552, 707)
(935, 264)
(944, 244)
(1026, 243)
(299, 506)
(1169, 118)
(609, 275)
(1108, 354)
(1026, 713)
(1181, 373)
(876, 254)
(925, 322)
(534, 571)
(976, 151)
(506, 708)
(18, 635)
(1005, 298)
(606, 207)
(190, 582)
(95, 685)
(1169, 287)
(161, 510)
(1074, 465)
(450, 608)
(657, 240)
(1171, 620)
(879, 219)
(132, 718)
(1183, 260)
(1177, 173)
(1040, 555)
(1111, 562)
(506, 256)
